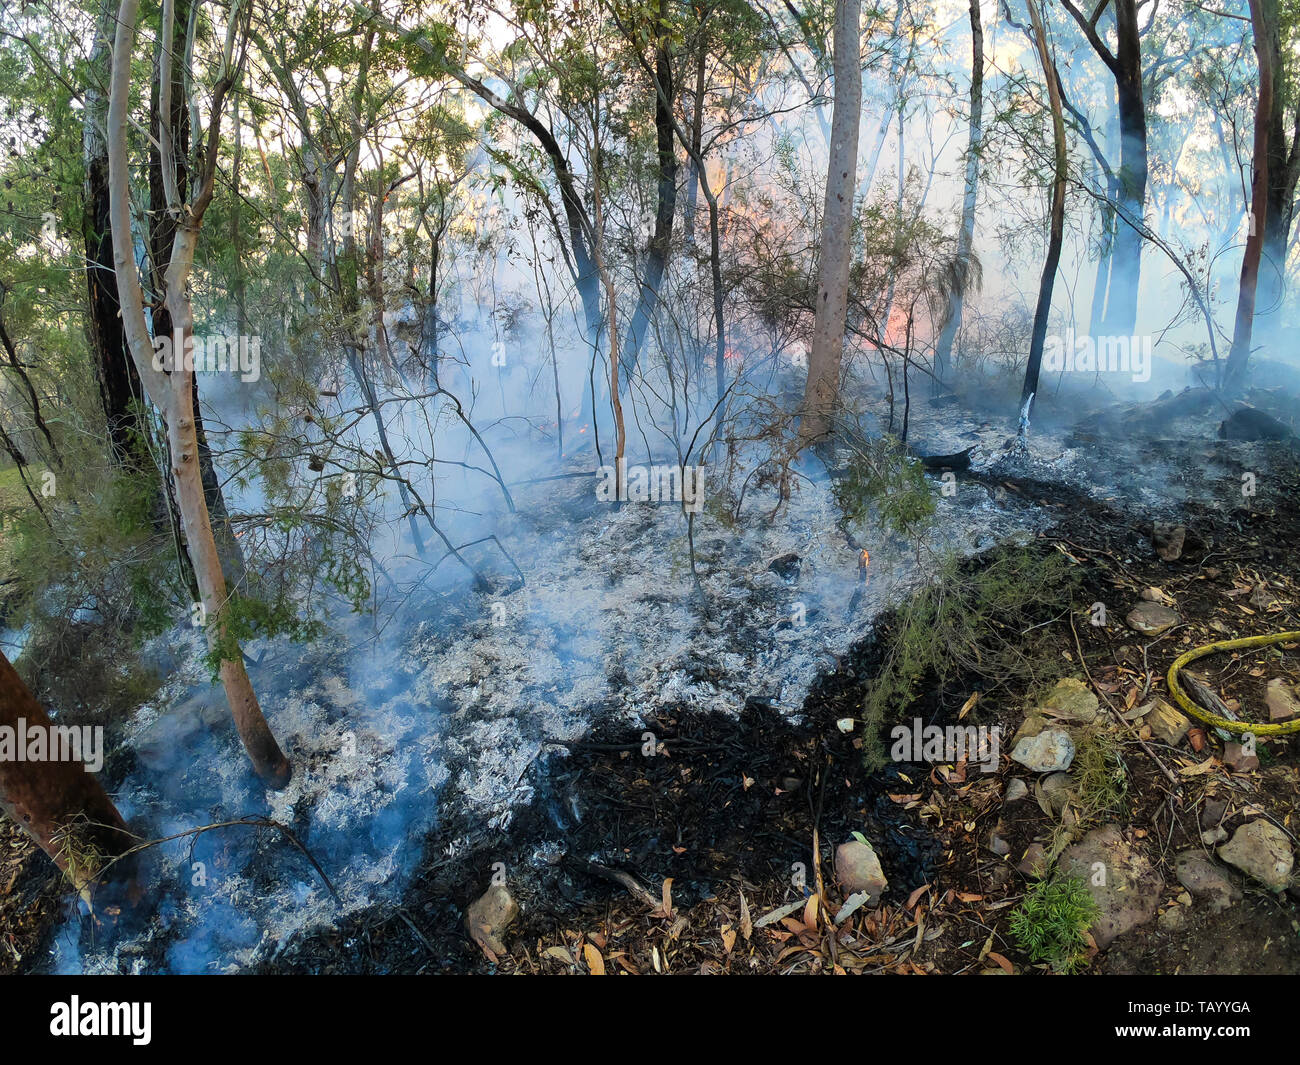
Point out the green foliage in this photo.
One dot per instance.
(1050, 922)
(1100, 775)
(881, 477)
(970, 619)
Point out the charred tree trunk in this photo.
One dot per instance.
(1047, 282)
(821, 395)
(58, 803)
(119, 384)
(1263, 18)
(1125, 65)
(666, 202)
(1283, 172)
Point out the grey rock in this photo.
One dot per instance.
(1123, 881)
(1262, 851)
(1052, 750)
(1071, 700)
(1017, 789)
(1204, 878)
(1151, 619)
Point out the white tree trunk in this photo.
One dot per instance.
(172, 393)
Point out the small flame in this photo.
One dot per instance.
(864, 559)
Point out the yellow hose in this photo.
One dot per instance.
(1283, 728)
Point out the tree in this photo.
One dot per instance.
(965, 237)
(1263, 19)
(119, 384)
(172, 392)
(1125, 66)
(57, 802)
(1047, 280)
(821, 395)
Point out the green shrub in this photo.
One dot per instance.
(974, 618)
(1050, 922)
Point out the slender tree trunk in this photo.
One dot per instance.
(1263, 18)
(1125, 65)
(173, 393)
(119, 384)
(697, 139)
(58, 803)
(1047, 282)
(1283, 173)
(966, 237)
(821, 395)
(666, 205)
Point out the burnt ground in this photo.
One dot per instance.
(628, 861)
(710, 829)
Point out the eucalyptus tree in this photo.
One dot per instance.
(170, 386)
(1123, 60)
(826, 354)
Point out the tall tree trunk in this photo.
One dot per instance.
(169, 166)
(119, 384)
(58, 803)
(666, 201)
(821, 395)
(1047, 281)
(1283, 172)
(966, 237)
(1263, 18)
(1126, 264)
(1125, 65)
(173, 393)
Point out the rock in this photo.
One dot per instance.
(1214, 835)
(488, 917)
(1202, 877)
(1124, 883)
(1172, 920)
(1033, 724)
(1168, 541)
(1016, 789)
(1262, 851)
(786, 566)
(1151, 619)
(1282, 702)
(1034, 863)
(1247, 423)
(1167, 724)
(857, 867)
(1071, 700)
(1050, 751)
(1213, 812)
(1056, 791)
(1238, 759)
(996, 844)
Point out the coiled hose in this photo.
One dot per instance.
(1281, 728)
